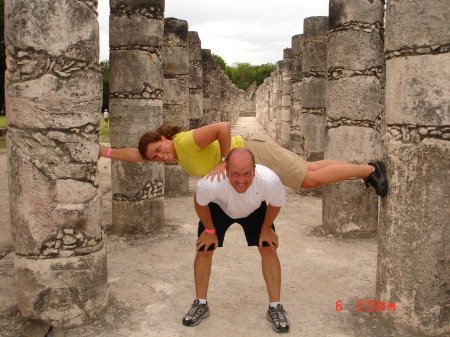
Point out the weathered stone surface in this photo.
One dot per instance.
(355, 98)
(353, 144)
(176, 181)
(414, 236)
(145, 115)
(136, 107)
(343, 12)
(135, 29)
(123, 218)
(133, 82)
(67, 291)
(175, 60)
(355, 50)
(414, 23)
(314, 134)
(315, 27)
(342, 213)
(174, 93)
(314, 93)
(53, 98)
(410, 99)
(61, 34)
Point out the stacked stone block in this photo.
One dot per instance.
(413, 253)
(283, 125)
(136, 106)
(176, 71)
(296, 94)
(355, 105)
(53, 98)
(314, 77)
(262, 102)
(209, 88)
(195, 81)
(274, 101)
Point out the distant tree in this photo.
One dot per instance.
(220, 60)
(244, 74)
(104, 69)
(263, 71)
(2, 54)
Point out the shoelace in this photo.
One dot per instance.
(280, 315)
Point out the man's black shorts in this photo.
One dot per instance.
(251, 224)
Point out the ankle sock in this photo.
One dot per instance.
(274, 304)
(202, 301)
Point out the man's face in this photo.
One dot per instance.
(241, 171)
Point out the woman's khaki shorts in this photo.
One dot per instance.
(290, 167)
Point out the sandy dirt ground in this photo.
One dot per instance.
(151, 278)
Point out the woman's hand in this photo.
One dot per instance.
(102, 151)
(217, 171)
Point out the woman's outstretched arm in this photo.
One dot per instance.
(129, 154)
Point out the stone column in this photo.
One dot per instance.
(314, 78)
(273, 105)
(413, 253)
(175, 62)
(250, 106)
(136, 86)
(262, 102)
(216, 96)
(195, 81)
(355, 104)
(208, 83)
(176, 67)
(53, 99)
(296, 94)
(286, 93)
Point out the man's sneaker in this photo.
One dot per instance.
(278, 318)
(378, 179)
(196, 313)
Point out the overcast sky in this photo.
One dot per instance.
(254, 31)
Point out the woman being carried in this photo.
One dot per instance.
(202, 152)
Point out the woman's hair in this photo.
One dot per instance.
(168, 131)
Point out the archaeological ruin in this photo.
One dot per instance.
(369, 81)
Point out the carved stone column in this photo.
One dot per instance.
(296, 95)
(176, 68)
(314, 78)
(53, 101)
(413, 252)
(136, 87)
(195, 81)
(355, 105)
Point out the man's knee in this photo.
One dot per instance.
(268, 255)
(203, 257)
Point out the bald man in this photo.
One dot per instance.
(251, 195)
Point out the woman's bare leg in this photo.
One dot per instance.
(324, 172)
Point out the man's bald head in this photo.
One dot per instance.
(240, 169)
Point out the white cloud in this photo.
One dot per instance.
(254, 31)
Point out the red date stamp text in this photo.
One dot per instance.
(369, 306)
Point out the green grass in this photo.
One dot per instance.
(2, 125)
(104, 134)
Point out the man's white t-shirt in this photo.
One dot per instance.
(266, 186)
